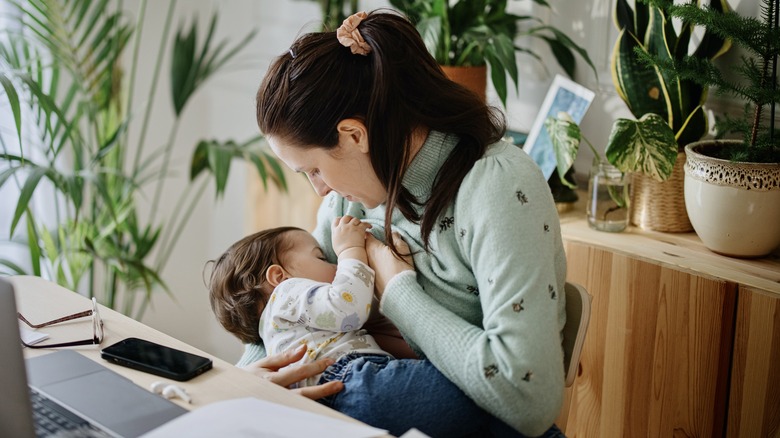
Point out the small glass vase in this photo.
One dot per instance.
(608, 198)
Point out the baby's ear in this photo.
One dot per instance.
(275, 274)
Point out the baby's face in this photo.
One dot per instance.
(305, 259)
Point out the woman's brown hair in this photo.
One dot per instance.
(237, 285)
(395, 89)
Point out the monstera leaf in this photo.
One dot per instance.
(646, 145)
(565, 136)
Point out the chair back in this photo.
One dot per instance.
(577, 319)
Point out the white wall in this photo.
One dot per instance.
(225, 109)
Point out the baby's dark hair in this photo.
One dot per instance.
(237, 284)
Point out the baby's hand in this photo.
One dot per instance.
(348, 232)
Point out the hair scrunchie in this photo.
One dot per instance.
(349, 35)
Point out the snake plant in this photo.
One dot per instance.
(668, 109)
(648, 30)
(754, 79)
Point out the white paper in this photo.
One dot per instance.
(251, 417)
(31, 337)
(414, 433)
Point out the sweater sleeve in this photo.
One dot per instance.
(512, 365)
(252, 353)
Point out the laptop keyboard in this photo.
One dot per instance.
(51, 419)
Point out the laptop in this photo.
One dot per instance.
(69, 388)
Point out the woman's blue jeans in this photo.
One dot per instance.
(400, 394)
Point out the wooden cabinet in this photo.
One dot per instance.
(754, 402)
(681, 341)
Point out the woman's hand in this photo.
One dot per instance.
(384, 263)
(268, 368)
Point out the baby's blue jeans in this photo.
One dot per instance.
(399, 394)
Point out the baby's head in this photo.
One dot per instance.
(238, 287)
(244, 276)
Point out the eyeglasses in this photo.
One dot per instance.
(97, 328)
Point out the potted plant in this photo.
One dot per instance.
(63, 80)
(732, 188)
(669, 112)
(467, 35)
(657, 194)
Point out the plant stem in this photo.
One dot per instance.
(173, 220)
(153, 89)
(166, 251)
(179, 228)
(134, 64)
(164, 169)
(110, 291)
(592, 149)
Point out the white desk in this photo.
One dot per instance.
(40, 300)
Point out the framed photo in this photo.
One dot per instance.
(563, 95)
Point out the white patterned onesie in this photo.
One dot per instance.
(326, 317)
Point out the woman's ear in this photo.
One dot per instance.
(275, 274)
(353, 132)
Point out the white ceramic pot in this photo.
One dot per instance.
(734, 207)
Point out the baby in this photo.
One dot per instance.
(276, 287)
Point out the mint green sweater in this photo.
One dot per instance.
(486, 305)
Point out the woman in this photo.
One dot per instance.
(384, 136)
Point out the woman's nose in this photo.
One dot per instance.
(319, 186)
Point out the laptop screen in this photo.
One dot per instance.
(15, 410)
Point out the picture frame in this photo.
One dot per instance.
(563, 95)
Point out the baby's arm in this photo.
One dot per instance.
(349, 238)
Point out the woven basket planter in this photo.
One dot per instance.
(660, 206)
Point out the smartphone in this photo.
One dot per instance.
(156, 359)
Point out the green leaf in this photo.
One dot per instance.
(623, 16)
(563, 55)
(280, 179)
(219, 162)
(636, 84)
(32, 245)
(646, 145)
(567, 45)
(6, 174)
(565, 136)
(30, 184)
(14, 268)
(430, 30)
(497, 76)
(694, 127)
(713, 45)
(261, 172)
(13, 99)
(200, 159)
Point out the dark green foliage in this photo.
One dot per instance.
(480, 32)
(754, 78)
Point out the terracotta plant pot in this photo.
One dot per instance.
(734, 207)
(473, 78)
